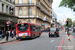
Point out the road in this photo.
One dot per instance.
(41, 43)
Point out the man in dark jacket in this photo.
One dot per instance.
(7, 35)
(1, 34)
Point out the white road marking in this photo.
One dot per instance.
(52, 41)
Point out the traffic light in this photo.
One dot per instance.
(67, 23)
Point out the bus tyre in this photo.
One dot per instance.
(33, 36)
(39, 34)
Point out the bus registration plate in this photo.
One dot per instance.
(23, 36)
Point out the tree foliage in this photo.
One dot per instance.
(64, 25)
(68, 3)
(73, 24)
(70, 22)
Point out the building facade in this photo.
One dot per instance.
(34, 11)
(63, 19)
(54, 19)
(7, 14)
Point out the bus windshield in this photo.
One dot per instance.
(53, 29)
(22, 27)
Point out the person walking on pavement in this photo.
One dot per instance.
(1, 34)
(12, 33)
(7, 35)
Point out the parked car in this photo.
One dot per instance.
(74, 29)
(54, 32)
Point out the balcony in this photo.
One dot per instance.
(38, 5)
(45, 12)
(10, 1)
(39, 17)
(24, 4)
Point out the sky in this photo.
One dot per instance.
(62, 11)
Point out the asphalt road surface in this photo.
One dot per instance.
(41, 43)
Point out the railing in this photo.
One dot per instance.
(10, 1)
(24, 4)
(45, 12)
(42, 9)
(43, 19)
(38, 5)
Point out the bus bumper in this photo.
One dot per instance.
(23, 37)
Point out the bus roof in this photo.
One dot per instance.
(29, 23)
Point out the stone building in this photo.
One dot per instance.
(34, 11)
(7, 14)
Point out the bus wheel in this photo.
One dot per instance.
(39, 35)
(33, 36)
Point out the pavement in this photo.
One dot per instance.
(68, 44)
(4, 40)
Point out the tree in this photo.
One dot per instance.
(70, 22)
(68, 3)
(73, 24)
(64, 25)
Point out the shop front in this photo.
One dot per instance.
(4, 26)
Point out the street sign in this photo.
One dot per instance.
(7, 25)
(43, 24)
(7, 22)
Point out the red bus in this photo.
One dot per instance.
(27, 30)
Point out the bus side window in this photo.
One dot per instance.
(33, 28)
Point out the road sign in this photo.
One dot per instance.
(7, 22)
(7, 25)
(43, 24)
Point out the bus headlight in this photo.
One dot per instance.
(26, 34)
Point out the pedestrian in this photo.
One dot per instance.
(12, 33)
(1, 34)
(7, 35)
(9, 32)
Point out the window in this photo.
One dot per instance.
(29, 12)
(7, 9)
(22, 27)
(29, 1)
(34, 28)
(3, 8)
(20, 11)
(20, 1)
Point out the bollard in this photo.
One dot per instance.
(68, 38)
